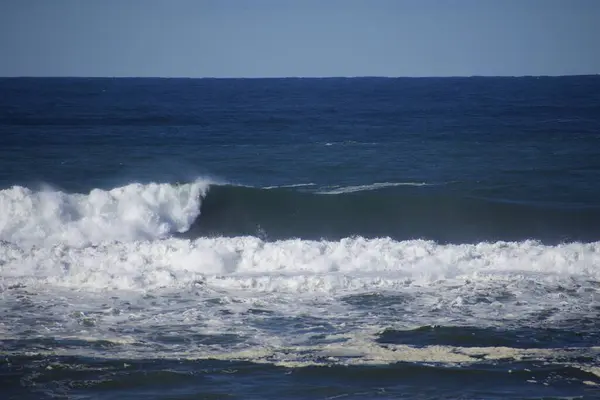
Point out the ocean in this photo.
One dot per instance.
(300, 238)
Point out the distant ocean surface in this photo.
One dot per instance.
(378, 238)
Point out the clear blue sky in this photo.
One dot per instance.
(267, 38)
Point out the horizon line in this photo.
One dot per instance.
(291, 77)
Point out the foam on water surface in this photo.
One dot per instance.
(83, 275)
(222, 295)
(348, 265)
(373, 186)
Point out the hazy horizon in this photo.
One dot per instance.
(308, 39)
(291, 77)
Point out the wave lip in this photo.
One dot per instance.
(373, 186)
(291, 186)
(132, 212)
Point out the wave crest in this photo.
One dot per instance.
(132, 212)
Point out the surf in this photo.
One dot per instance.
(207, 208)
(128, 213)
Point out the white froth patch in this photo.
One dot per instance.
(129, 213)
(219, 281)
(248, 263)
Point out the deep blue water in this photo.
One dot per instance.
(513, 138)
(419, 212)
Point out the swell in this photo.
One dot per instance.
(400, 212)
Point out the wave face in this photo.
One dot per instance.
(400, 211)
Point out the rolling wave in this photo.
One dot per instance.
(401, 211)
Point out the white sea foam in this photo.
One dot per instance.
(292, 302)
(248, 263)
(102, 267)
(129, 213)
(373, 186)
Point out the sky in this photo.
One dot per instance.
(307, 38)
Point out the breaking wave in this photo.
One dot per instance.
(401, 211)
(128, 213)
(64, 252)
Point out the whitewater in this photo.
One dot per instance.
(119, 242)
(129, 213)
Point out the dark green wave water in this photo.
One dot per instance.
(401, 212)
